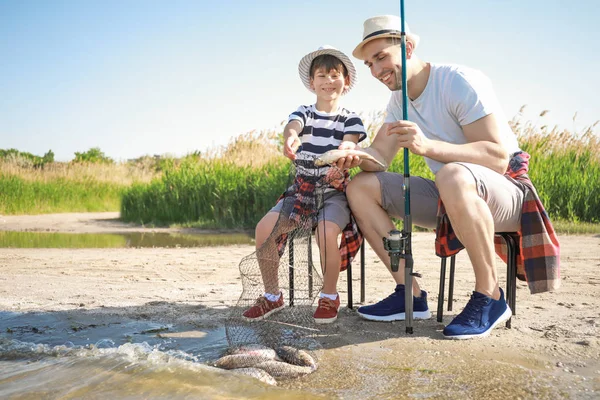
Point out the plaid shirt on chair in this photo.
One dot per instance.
(305, 209)
(538, 260)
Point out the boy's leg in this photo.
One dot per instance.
(268, 261)
(332, 218)
(373, 198)
(266, 252)
(327, 233)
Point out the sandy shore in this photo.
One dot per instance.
(552, 350)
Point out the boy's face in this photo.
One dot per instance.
(328, 85)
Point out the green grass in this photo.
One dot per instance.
(24, 196)
(575, 228)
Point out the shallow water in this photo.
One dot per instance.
(11, 239)
(60, 355)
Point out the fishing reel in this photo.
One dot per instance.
(396, 245)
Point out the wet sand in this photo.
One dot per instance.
(552, 350)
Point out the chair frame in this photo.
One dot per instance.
(310, 273)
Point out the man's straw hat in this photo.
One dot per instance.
(383, 26)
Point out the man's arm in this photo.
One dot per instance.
(484, 146)
(383, 149)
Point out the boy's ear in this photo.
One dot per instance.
(347, 80)
(312, 81)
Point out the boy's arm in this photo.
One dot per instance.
(291, 141)
(349, 142)
(383, 149)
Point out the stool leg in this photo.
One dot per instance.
(291, 273)
(363, 277)
(349, 279)
(310, 268)
(440, 308)
(511, 275)
(451, 282)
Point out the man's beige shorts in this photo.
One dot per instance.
(504, 198)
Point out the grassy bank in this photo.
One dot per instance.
(236, 188)
(26, 188)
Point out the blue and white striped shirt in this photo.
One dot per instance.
(323, 131)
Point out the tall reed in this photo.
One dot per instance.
(238, 185)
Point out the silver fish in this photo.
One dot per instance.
(253, 349)
(332, 156)
(243, 360)
(278, 369)
(295, 356)
(259, 374)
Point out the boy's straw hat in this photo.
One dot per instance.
(306, 61)
(381, 27)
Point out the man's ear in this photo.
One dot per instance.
(409, 49)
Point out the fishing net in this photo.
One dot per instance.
(286, 260)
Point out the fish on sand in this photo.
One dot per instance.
(294, 356)
(241, 360)
(254, 349)
(280, 369)
(286, 362)
(332, 156)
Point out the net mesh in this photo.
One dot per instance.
(285, 261)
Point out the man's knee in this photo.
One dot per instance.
(362, 185)
(454, 181)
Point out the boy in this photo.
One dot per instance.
(311, 131)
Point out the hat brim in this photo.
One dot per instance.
(306, 62)
(358, 53)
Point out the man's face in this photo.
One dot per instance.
(385, 61)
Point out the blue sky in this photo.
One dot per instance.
(142, 77)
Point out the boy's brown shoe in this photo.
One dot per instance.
(263, 308)
(327, 310)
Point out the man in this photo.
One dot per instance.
(456, 123)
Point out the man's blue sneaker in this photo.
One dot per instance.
(480, 316)
(392, 307)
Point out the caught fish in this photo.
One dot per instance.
(279, 369)
(295, 356)
(259, 374)
(242, 360)
(253, 349)
(332, 156)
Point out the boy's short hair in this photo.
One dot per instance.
(327, 62)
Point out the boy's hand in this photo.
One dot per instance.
(348, 162)
(290, 147)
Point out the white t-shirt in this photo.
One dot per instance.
(454, 96)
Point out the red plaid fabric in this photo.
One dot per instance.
(538, 259)
(305, 209)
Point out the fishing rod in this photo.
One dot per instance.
(399, 243)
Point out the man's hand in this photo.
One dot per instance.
(409, 136)
(351, 161)
(290, 147)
